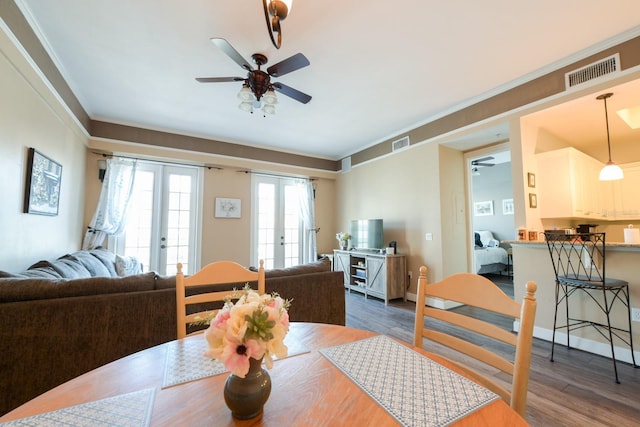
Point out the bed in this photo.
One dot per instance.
(489, 256)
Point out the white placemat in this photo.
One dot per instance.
(413, 388)
(125, 410)
(186, 362)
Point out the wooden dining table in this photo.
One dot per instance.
(307, 389)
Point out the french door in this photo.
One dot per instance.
(162, 222)
(277, 224)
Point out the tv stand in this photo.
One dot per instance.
(372, 273)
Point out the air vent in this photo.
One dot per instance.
(346, 164)
(399, 144)
(593, 71)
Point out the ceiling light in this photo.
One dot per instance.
(270, 97)
(611, 171)
(274, 12)
(246, 106)
(631, 117)
(269, 109)
(245, 94)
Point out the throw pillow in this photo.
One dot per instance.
(127, 266)
(478, 242)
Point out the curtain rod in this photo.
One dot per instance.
(158, 161)
(277, 175)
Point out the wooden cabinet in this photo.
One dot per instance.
(372, 274)
(569, 186)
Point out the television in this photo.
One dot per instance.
(366, 234)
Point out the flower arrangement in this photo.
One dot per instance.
(343, 238)
(253, 327)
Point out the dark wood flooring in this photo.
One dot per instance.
(577, 389)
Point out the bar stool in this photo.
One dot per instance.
(579, 265)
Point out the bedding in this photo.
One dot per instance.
(489, 256)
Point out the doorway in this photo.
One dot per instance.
(491, 209)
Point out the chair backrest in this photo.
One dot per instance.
(477, 291)
(577, 256)
(216, 273)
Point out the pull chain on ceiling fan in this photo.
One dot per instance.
(258, 91)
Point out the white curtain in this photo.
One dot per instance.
(111, 212)
(307, 209)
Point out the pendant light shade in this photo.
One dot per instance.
(611, 171)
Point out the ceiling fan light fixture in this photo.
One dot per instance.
(245, 94)
(611, 171)
(269, 109)
(270, 97)
(246, 106)
(274, 12)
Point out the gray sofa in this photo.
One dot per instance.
(62, 318)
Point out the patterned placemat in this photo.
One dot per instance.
(186, 362)
(125, 410)
(413, 388)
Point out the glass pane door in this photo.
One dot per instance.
(277, 224)
(161, 226)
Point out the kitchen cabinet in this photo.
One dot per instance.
(569, 186)
(625, 193)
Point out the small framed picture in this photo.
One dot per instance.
(533, 200)
(42, 190)
(483, 208)
(533, 236)
(228, 208)
(507, 206)
(531, 180)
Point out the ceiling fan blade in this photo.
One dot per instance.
(292, 93)
(482, 159)
(288, 65)
(487, 165)
(219, 79)
(226, 47)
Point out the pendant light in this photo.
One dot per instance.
(611, 171)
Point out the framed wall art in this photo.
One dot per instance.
(531, 178)
(507, 206)
(42, 189)
(483, 208)
(533, 200)
(228, 208)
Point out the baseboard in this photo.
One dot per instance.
(623, 354)
(434, 302)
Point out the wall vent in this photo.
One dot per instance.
(593, 71)
(399, 144)
(346, 165)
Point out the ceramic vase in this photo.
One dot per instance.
(246, 396)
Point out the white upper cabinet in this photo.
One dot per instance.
(568, 186)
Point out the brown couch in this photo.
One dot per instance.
(54, 328)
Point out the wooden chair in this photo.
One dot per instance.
(220, 272)
(477, 291)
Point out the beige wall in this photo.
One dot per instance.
(414, 191)
(31, 117)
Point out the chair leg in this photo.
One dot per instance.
(633, 357)
(613, 354)
(565, 290)
(555, 318)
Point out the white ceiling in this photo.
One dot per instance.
(377, 68)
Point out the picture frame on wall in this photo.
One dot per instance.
(533, 200)
(507, 207)
(483, 208)
(42, 189)
(228, 208)
(531, 180)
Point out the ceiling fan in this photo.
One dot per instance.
(257, 86)
(482, 162)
